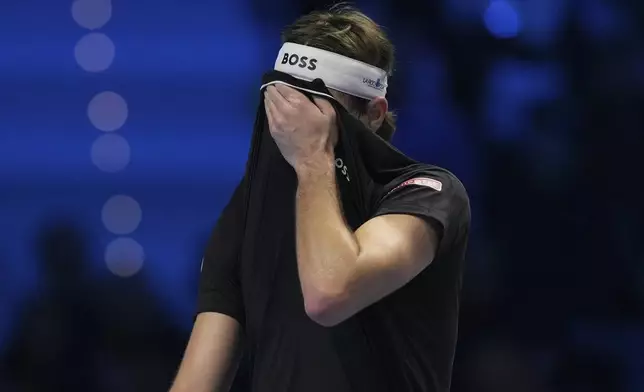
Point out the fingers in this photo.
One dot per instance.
(271, 112)
(276, 98)
(289, 93)
(324, 105)
(281, 99)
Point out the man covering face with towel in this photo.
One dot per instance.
(351, 283)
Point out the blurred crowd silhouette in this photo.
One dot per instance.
(539, 112)
(80, 334)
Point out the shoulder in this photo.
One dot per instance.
(429, 192)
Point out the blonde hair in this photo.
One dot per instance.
(345, 30)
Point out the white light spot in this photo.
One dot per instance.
(107, 111)
(121, 214)
(111, 153)
(92, 14)
(124, 257)
(94, 52)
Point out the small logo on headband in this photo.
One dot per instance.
(377, 84)
(300, 61)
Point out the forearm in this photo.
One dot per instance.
(327, 249)
(212, 356)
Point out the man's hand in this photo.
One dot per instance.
(304, 131)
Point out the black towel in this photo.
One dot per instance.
(365, 162)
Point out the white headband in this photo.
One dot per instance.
(338, 72)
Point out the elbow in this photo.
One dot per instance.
(326, 310)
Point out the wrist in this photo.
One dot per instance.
(320, 165)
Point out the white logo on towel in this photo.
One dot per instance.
(339, 163)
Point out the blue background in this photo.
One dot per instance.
(535, 104)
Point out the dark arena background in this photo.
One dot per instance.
(125, 125)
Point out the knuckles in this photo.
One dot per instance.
(290, 118)
(283, 125)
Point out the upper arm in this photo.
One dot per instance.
(394, 249)
(219, 283)
(436, 197)
(400, 246)
(418, 216)
(413, 223)
(212, 355)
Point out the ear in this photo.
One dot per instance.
(376, 111)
